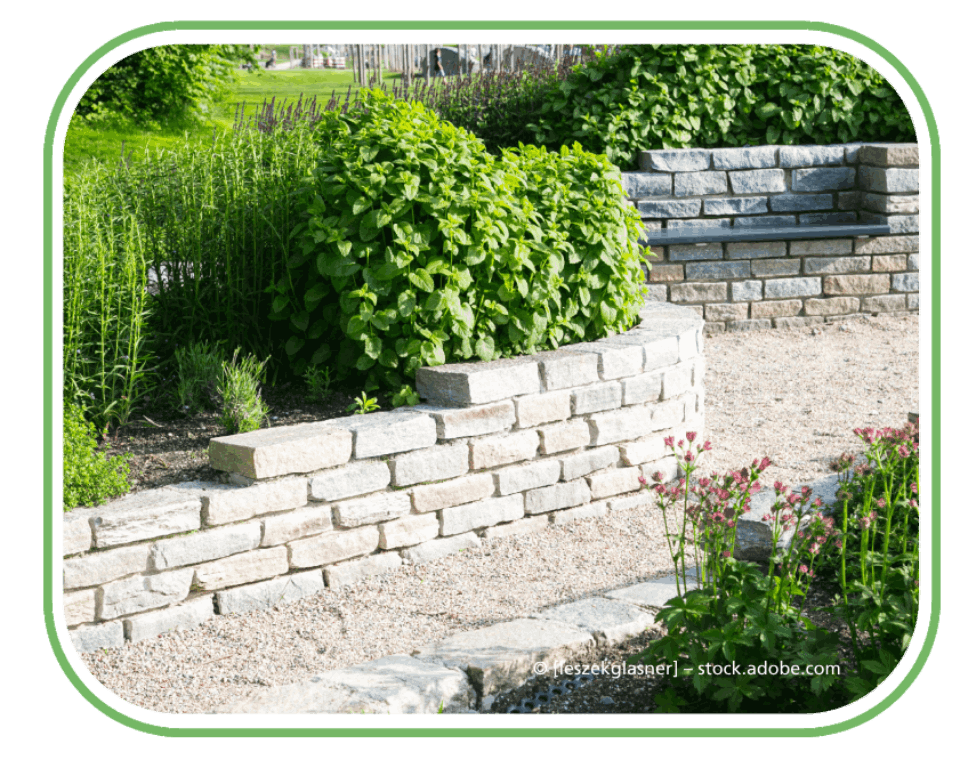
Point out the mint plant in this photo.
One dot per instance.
(89, 476)
(416, 247)
(662, 96)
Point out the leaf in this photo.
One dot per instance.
(485, 348)
(279, 302)
(322, 354)
(356, 326)
(294, 344)
(388, 358)
(421, 279)
(406, 303)
(372, 346)
(301, 320)
(384, 319)
(372, 223)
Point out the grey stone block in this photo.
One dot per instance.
(765, 221)
(828, 219)
(833, 265)
(266, 594)
(356, 570)
(599, 397)
(355, 479)
(667, 467)
(753, 182)
(801, 202)
(796, 322)
(369, 510)
(792, 287)
(310, 520)
(187, 616)
(564, 437)
(806, 156)
(561, 369)
(559, 496)
(615, 360)
(773, 268)
(899, 225)
(441, 462)
(913, 261)
(533, 410)
(609, 621)
(691, 226)
(243, 568)
(669, 209)
(644, 184)
(101, 567)
(651, 593)
(463, 384)
(665, 414)
(891, 180)
(141, 593)
(228, 504)
(437, 548)
(333, 547)
(823, 179)
(205, 545)
(481, 514)
(93, 638)
(266, 453)
(770, 250)
(144, 515)
(700, 183)
(584, 463)
(677, 379)
(880, 203)
(661, 352)
(379, 434)
(676, 160)
(913, 301)
(612, 482)
(655, 293)
(723, 270)
(452, 493)
(821, 247)
(77, 535)
(408, 531)
(643, 389)
(474, 420)
(80, 607)
(508, 449)
(698, 292)
(748, 325)
(745, 157)
(727, 206)
(527, 476)
(618, 426)
(892, 303)
(890, 154)
(891, 244)
(694, 252)
(648, 449)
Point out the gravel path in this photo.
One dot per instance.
(793, 395)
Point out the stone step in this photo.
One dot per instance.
(468, 670)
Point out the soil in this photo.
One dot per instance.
(165, 446)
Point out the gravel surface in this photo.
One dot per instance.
(793, 395)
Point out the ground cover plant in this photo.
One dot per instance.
(89, 476)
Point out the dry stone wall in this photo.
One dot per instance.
(497, 449)
(747, 285)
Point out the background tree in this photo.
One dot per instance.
(163, 84)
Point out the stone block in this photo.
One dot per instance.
(333, 547)
(665, 273)
(836, 265)
(655, 292)
(700, 183)
(564, 437)
(380, 434)
(853, 284)
(80, 607)
(612, 482)
(584, 463)
(469, 422)
(644, 184)
(583, 512)
(913, 261)
(266, 453)
(733, 206)
(667, 467)
(142, 593)
(899, 225)
(723, 270)
(776, 308)
(101, 567)
(891, 180)
(677, 379)
(719, 313)
(765, 221)
(771, 250)
(688, 343)
(823, 179)
(90, 639)
(887, 244)
(266, 594)
(796, 322)
(609, 621)
(669, 209)
(907, 281)
(144, 515)
(661, 353)
(452, 493)
(205, 545)
(748, 325)
(224, 504)
(377, 508)
(913, 301)
(356, 570)
(599, 397)
(666, 414)
(460, 384)
(897, 263)
(825, 219)
(559, 496)
(776, 267)
(698, 292)
(675, 160)
(430, 464)
(806, 156)
(801, 202)
(533, 410)
(408, 531)
(848, 201)
(892, 303)
(527, 476)
(647, 449)
(615, 359)
(187, 616)
(903, 204)
(748, 290)
(693, 226)
(77, 534)
(481, 514)
(843, 305)
(505, 449)
(791, 287)
(890, 154)
(643, 389)
(243, 568)
(821, 247)
(650, 593)
(696, 252)
(355, 479)
(619, 426)
(754, 182)
(310, 520)
(745, 157)
(561, 369)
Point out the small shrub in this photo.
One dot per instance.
(660, 96)
(417, 247)
(318, 382)
(89, 477)
(239, 389)
(198, 367)
(363, 404)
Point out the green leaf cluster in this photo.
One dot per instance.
(89, 477)
(417, 247)
(663, 96)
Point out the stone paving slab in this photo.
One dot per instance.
(609, 621)
(392, 685)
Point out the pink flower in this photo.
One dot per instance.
(726, 553)
(765, 463)
(913, 487)
(881, 503)
(780, 487)
(688, 456)
(668, 441)
(643, 481)
(904, 451)
(691, 436)
(707, 446)
(803, 569)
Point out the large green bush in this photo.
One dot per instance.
(419, 248)
(89, 477)
(660, 96)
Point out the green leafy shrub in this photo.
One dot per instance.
(243, 408)
(198, 367)
(660, 96)
(420, 248)
(89, 477)
(318, 381)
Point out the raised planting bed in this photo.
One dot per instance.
(497, 448)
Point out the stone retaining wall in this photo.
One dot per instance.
(497, 449)
(742, 286)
